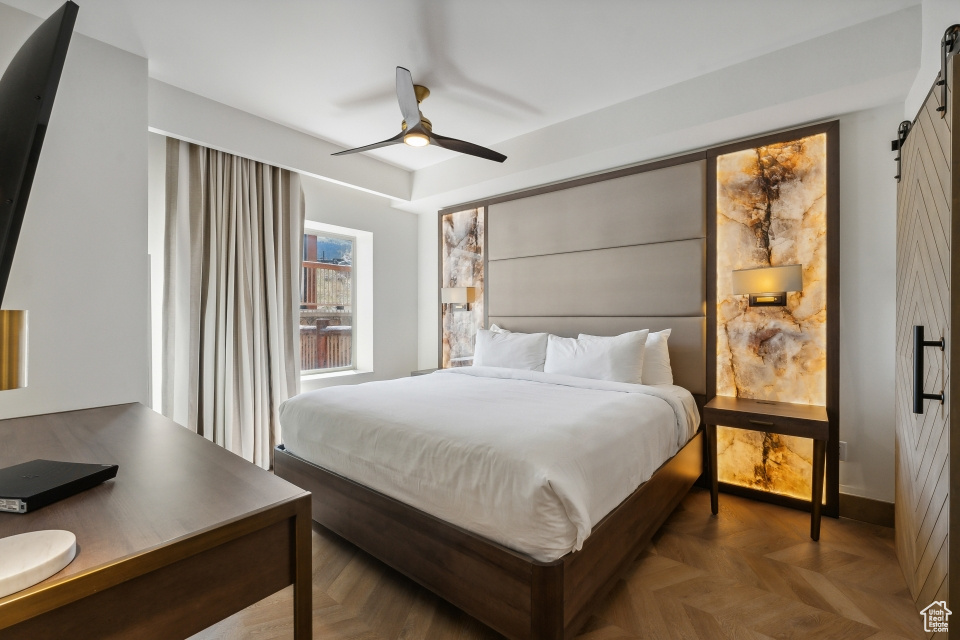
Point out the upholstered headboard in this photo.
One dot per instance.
(606, 256)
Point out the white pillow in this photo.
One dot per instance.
(511, 350)
(656, 357)
(619, 359)
(476, 343)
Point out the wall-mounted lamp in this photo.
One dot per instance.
(768, 286)
(459, 298)
(13, 350)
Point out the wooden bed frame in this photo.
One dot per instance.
(512, 593)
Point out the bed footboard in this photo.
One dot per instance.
(517, 596)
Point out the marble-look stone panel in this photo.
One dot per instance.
(461, 265)
(771, 211)
(765, 461)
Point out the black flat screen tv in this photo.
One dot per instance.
(27, 90)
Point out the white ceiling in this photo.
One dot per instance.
(496, 69)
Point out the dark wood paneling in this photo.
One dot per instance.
(711, 276)
(801, 420)
(179, 599)
(832, 506)
(547, 603)
(867, 510)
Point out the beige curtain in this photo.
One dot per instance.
(232, 261)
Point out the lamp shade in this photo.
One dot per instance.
(768, 279)
(13, 350)
(458, 295)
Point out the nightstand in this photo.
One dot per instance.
(801, 420)
(422, 372)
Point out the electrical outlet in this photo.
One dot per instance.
(843, 451)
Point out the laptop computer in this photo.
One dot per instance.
(31, 485)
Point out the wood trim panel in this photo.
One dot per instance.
(215, 582)
(46, 597)
(711, 276)
(804, 421)
(215, 563)
(832, 506)
(867, 510)
(512, 593)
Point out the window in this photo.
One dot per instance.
(327, 294)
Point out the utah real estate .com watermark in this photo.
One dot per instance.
(935, 616)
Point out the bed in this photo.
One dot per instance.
(526, 459)
(518, 496)
(603, 255)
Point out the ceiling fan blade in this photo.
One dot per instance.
(407, 98)
(397, 139)
(468, 148)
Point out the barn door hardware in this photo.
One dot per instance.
(897, 145)
(949, 45)
(918, 345)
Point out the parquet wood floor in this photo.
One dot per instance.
(751, 573)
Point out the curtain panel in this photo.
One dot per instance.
(232, 261)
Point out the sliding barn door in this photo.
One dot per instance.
(926, 212)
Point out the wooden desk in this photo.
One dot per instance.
(186, 535)
(801, 420)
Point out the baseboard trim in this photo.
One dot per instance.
(866, 510)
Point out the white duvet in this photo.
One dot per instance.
(531, 460)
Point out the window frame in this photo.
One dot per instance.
(316, 230)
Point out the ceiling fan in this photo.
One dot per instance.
(416, 130)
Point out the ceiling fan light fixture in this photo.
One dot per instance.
(416, 139)
(417, 131)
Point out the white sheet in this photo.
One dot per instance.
(528, 459)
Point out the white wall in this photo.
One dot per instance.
(868, 249)
(80, 267)
(395, 264)
(428, 336)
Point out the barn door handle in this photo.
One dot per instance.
(918, 345)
